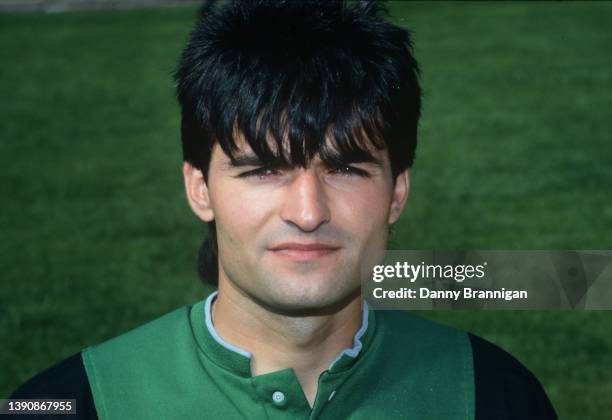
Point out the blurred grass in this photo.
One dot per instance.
(96, 236)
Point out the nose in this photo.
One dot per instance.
(305, 202)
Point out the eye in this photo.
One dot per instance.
(349, 171)
(259, 173)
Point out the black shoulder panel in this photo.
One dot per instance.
(505, 389)
(65, 380)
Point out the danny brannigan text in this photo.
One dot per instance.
(465, 293)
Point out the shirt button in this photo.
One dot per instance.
(278, 398)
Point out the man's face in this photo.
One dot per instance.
(295, 239)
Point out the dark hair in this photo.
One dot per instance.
(316, 76)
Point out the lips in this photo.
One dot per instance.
(300, 251)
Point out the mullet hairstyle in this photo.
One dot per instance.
(296, 78)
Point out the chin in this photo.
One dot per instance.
(310, 301)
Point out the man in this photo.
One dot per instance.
(299, 125)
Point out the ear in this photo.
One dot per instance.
(197, 192)
(400, 196)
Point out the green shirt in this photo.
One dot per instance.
(177, 366)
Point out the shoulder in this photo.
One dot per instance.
(72, 377)
(406, 327)
(148, 344)
(505, 388)
(409, 341)
(65, 380)
(150, 333)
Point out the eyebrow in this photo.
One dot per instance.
(244, 160)
(332, 159)
(338, 159)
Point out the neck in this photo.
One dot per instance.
(307, 344)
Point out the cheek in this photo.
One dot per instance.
(365, 211)
(239, 214)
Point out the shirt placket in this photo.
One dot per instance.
(281, 395)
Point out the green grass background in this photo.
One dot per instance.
(96, 236)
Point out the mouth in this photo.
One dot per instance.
(297, 251)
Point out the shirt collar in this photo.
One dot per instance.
(238, 360)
